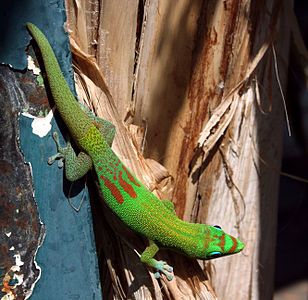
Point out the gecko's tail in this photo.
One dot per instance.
(76, 120)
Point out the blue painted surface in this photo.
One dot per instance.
(67, 256)
(47, 15)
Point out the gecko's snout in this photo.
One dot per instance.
(239, 246)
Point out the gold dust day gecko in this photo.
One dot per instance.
(128, 198)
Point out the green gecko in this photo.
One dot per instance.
(128, 198)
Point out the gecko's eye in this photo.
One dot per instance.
(217, 226)
(214, 254)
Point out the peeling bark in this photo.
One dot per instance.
(198, 78)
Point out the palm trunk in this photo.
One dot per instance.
(200, 78)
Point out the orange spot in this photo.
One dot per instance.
(130, 176)
(222, 242)
(113, 189)
(109, 171)
(126, 186)
(234, 245)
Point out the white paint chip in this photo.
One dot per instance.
(32, 66)
(18, 263)
(19, 278)
(40, 126)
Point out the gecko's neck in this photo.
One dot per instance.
(191, 233)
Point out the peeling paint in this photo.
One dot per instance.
(8, 297)
(36, 70)
(29, 292)
(11, 280)
(31, 66)
(40, 126)
(18, 261)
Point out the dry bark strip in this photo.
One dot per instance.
(193, 75)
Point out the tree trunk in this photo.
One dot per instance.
(199, 79)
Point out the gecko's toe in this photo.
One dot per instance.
(169, 268)
(164, 268)
(60, 163)
(169, 277)
(53, 158)
(55, 135)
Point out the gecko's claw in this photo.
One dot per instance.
(162, 267)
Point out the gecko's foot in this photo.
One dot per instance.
(60, 155)
(163, 268)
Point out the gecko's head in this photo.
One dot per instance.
(217, 243)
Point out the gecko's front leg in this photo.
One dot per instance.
(161, 266)
(75, 166)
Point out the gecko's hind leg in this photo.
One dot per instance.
(76, 166)
(161, 266)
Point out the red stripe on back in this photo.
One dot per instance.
(126, 186)
(130, 176)
(113, 189)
